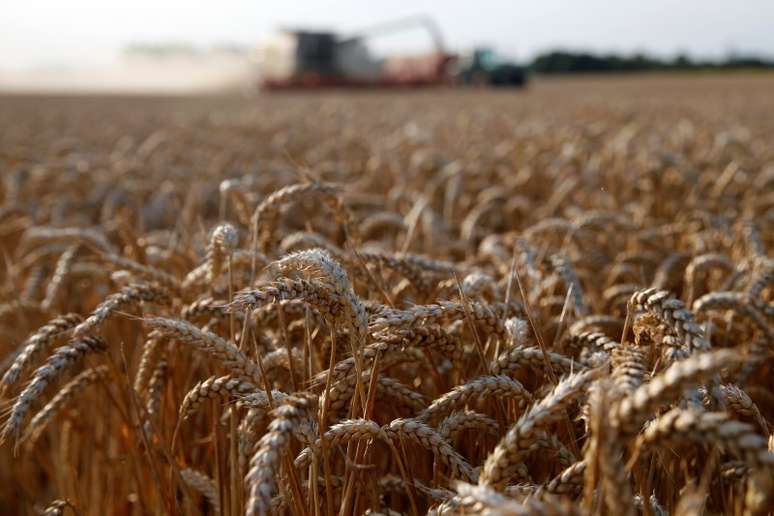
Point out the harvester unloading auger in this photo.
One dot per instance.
(302, 59)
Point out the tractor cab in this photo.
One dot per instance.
(484, 67)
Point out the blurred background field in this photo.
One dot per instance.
(712, 95)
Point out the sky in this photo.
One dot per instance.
(56, 33)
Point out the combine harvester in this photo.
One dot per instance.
(301, 59)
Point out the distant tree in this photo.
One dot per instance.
(682, 61)
(564, 62)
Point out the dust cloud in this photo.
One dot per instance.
(210, 72)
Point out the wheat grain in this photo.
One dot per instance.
(64, 358)
(708, 427)
(146, 272)
(521, 437)
(207, 342)
(531, 358)
(672, 311)
(639, 405)
(204, 485)
(457, 422)
(127, 296)
(152, 351)
(739, 303)
(62, 398)
(265, 463)
(36, 344)
(497, 387)
(62, 270)
(211, 388)
(429, 439)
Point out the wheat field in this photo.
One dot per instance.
(557, 301)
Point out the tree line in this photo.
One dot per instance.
(560, 61)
